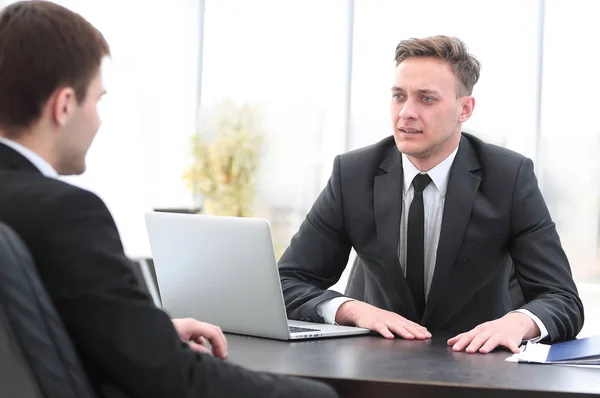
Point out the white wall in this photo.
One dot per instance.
(290, 58)
(570, 139)
(508, 56)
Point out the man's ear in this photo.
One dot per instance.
(468, 104)
(62, 105)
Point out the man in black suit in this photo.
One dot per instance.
(50, 83)
(437, 218)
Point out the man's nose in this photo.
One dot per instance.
(408, 110)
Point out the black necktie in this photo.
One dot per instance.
(415, 244)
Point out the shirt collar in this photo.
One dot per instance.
(439, 174)
(40, 163)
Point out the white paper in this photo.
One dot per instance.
(531, 352)
(535, 352)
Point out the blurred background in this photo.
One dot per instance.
(297, 82)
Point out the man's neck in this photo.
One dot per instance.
(33, 144)
(427, 163)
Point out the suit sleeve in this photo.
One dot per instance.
(317, 255)
(542, 268)
(120, 335)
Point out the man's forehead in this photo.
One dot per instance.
(424, 76)
(424, 67)
(426, 89)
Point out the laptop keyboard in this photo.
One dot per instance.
(296, 329)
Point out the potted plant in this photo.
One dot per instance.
(226, 158)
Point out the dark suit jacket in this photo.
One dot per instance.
(494, 212)
(126, 344)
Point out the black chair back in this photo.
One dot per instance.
(37, 357)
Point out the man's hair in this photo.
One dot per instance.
(450, 49)
(43, 47)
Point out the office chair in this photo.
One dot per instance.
(143, 269)
(37, 357)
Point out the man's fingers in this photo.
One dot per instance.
(402, 331)
(463, 342)
(410, 331)
(196, 333)
(490, 345)
(478, 341)
(386, 323)
(417, 331)
(486, 337)
(215, 335)
(383, 330)
(198, 348)
(511, 345)
(496, 341)
(454, 339)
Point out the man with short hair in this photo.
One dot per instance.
(50, 84)
(437, 218)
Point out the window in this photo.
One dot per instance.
(290, 59)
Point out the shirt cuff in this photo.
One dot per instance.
(328, 308)
(538, 322)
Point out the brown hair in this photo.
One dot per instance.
(43, 47)
(450, 49)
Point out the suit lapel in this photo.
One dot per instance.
(388, 210)
(388, 201)
(13, 160)
(463, 185)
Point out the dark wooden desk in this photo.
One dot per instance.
(371, 366)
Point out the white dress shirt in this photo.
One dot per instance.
(434, 197)
(40, 163)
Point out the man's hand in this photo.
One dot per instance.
(195, 332)
(508, 331)
(386, 323)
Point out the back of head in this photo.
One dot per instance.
(43, 46)
(450, 49)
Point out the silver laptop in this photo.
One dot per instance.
(222, 270)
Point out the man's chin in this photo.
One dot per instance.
(410, 150)
(72, 170)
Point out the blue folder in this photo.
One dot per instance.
(582, 349)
